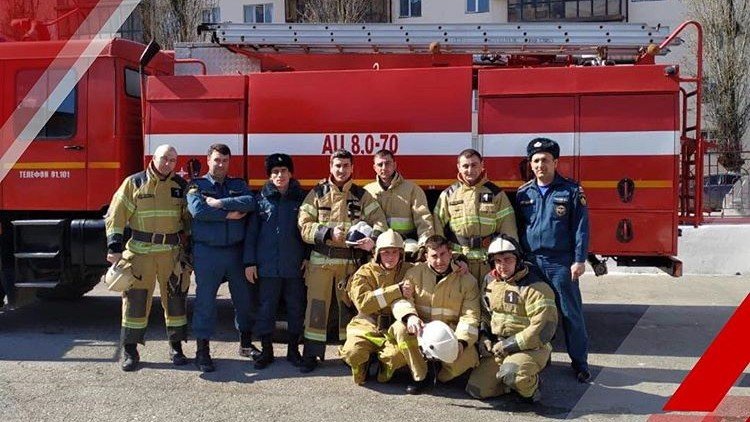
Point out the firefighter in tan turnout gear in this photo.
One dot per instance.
(152, 203)
(403, 202)
(325, 216)
(372, 289)
(519, 319)
(472, 211)
(434, 290)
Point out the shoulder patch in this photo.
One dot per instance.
(526, 185)
(139, 179)
(322, 189)
(495, 189)
(452, 188)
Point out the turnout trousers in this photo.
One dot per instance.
(326, 299)
(520, 372)
(136, 301)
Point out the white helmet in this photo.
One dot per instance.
(438, 341)
(502, 244)
(119, 276)
(358, 232)
(411, 246)
(389, 239)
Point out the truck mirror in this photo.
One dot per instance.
(151, 49)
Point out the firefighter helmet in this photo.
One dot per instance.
(438, 341)
(502, 244)
(389, 239)
(119, 276)
(358, 232)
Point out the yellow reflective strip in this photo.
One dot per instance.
(504, 212)
(380, 296)
(315, 336)
(176, 321)
(104, 165)
(158, 213)
(374, 339)
(463, 326)
(401, 224)
(136, 323)
(53, 165)
(539, 306)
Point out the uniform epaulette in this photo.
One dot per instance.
(495, 189)
(139, 179)
(180, 181)
(526, 185)
(452, 188)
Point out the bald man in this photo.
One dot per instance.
(152, 203)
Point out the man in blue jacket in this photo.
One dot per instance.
(277, 256)
(219, 205)
(554, 228)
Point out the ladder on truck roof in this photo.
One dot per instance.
(572, 38)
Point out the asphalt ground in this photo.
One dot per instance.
(60, 361)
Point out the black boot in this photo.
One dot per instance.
(130, 357)
(416, 387)
(309, 359)
(266, 356)
(292, 351)
(247, 348)
(203, 356)
(176, 354)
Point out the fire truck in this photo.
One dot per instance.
(424, 91)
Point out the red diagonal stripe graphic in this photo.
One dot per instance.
(719, 367)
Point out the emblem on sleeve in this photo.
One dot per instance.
(561, 210)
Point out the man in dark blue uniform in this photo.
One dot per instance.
(219, 205)
(554, 227)
(275, 247)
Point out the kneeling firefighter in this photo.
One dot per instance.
(519, 318)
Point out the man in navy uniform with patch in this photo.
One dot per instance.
(219, 205)
(554, 229)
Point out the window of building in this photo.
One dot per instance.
(211, 15)
(258, 13)
(565, 10)
(62, 123)
(477, 6)
(410, 8)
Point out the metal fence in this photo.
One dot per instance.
(726, 194)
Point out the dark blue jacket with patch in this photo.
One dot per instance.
(210, 225)
(274, 242)
(556, 223)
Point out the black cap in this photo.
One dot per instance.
(543, 145)
(278, 160)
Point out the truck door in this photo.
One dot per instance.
(55, 161)
(422, 115)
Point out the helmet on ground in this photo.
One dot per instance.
(438, 341)
(389, 239)
(119, 276)
(503, 244)
(358, 232)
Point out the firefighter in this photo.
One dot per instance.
(554, 228)
(403, 202)
(152, 204)
(472, 211)
(219, 205)
(519, 319)
(372, 289)
(278, 256)
(433, 290)
(329, 210)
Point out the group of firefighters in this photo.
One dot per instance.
(475, 285)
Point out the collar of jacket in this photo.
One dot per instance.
(270, 190)
(213, 181)
(395, 181)
(514, 279)
(344, 188)
(453, 269)
(154, 174)
(482, 180)
(558, 180)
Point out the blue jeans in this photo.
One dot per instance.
(568, 297)
(270, 290)
(212, 266)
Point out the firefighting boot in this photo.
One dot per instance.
(309, 360)
(203, 356)
(247, 348)
(130, 357)
(266, 356)
(176, 355)
(292, 352)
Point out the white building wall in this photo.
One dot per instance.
(453, 11)
(232, 10)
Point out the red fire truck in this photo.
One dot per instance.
(426, 92)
